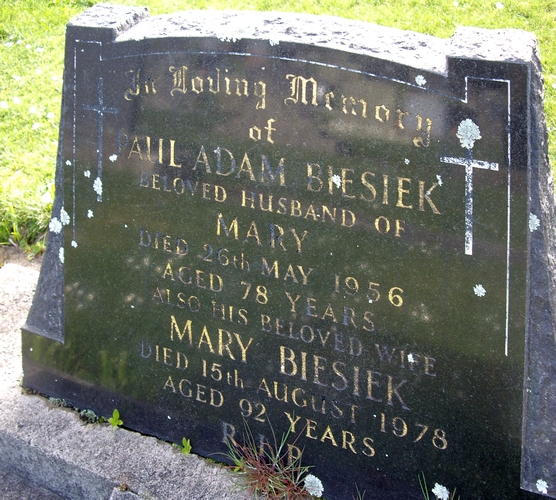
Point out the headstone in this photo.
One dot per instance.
(286, 221)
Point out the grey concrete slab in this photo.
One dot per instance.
(50, 447)
(13, 487)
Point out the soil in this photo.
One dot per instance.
(14, 255)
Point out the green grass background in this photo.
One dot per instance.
(31, 55)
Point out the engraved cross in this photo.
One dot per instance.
(468, 133)
(100, 108)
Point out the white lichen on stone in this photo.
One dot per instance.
(314, 485)
(336, 179)
(97, 186)
(542, 486)
(479, 290)
(230, 34)
(61, 255)
(534, 222)
(420, 80)
(113, 158)
(441, 492)
(55, 225)
(64, 217)
(468, 132)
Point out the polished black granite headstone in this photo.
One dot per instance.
(292, 221)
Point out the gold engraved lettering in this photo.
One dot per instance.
(148, 141)
(167, 358)
(298, 90)
(259, 90)
(328, 435)
(421, 140)
(172, 153)
(197, 393)
(246, 167)
(382, 113)
(242, 91)
(328, 99)
(294, 453)
(276, 233)
(295, 399)
(255, 133)
(232, 166)
(136, 148)
(255, 410)
(352, 106)
(348, 439)
(233, 227)
(197, 85)
(229, 313)
(269, 130)
(169, 384)
(312, 177)
(293, 422)
(393, 391)
(179, 79)
(369, 450)
(401, 114)
(138, 85)
(211, 82)
(290, 274)
(429, 365)
(402, 191)
(385, 189)
(425, 195)
(379, 387)
(203, 160)
(311, 426)
(266, 170)
(292, 301)
(224, 341)
(399, 228)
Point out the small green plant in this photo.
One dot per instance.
(186, 448)
(439, 491)
(267, 471)
(114, 420)
(360, 496)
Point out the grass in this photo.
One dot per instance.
(267, 471)
(31, 59)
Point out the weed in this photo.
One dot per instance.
(114, 420)
(186, 448)
(269, 471)
(439, 491)
(360, 496)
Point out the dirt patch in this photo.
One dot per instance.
(14, 255)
